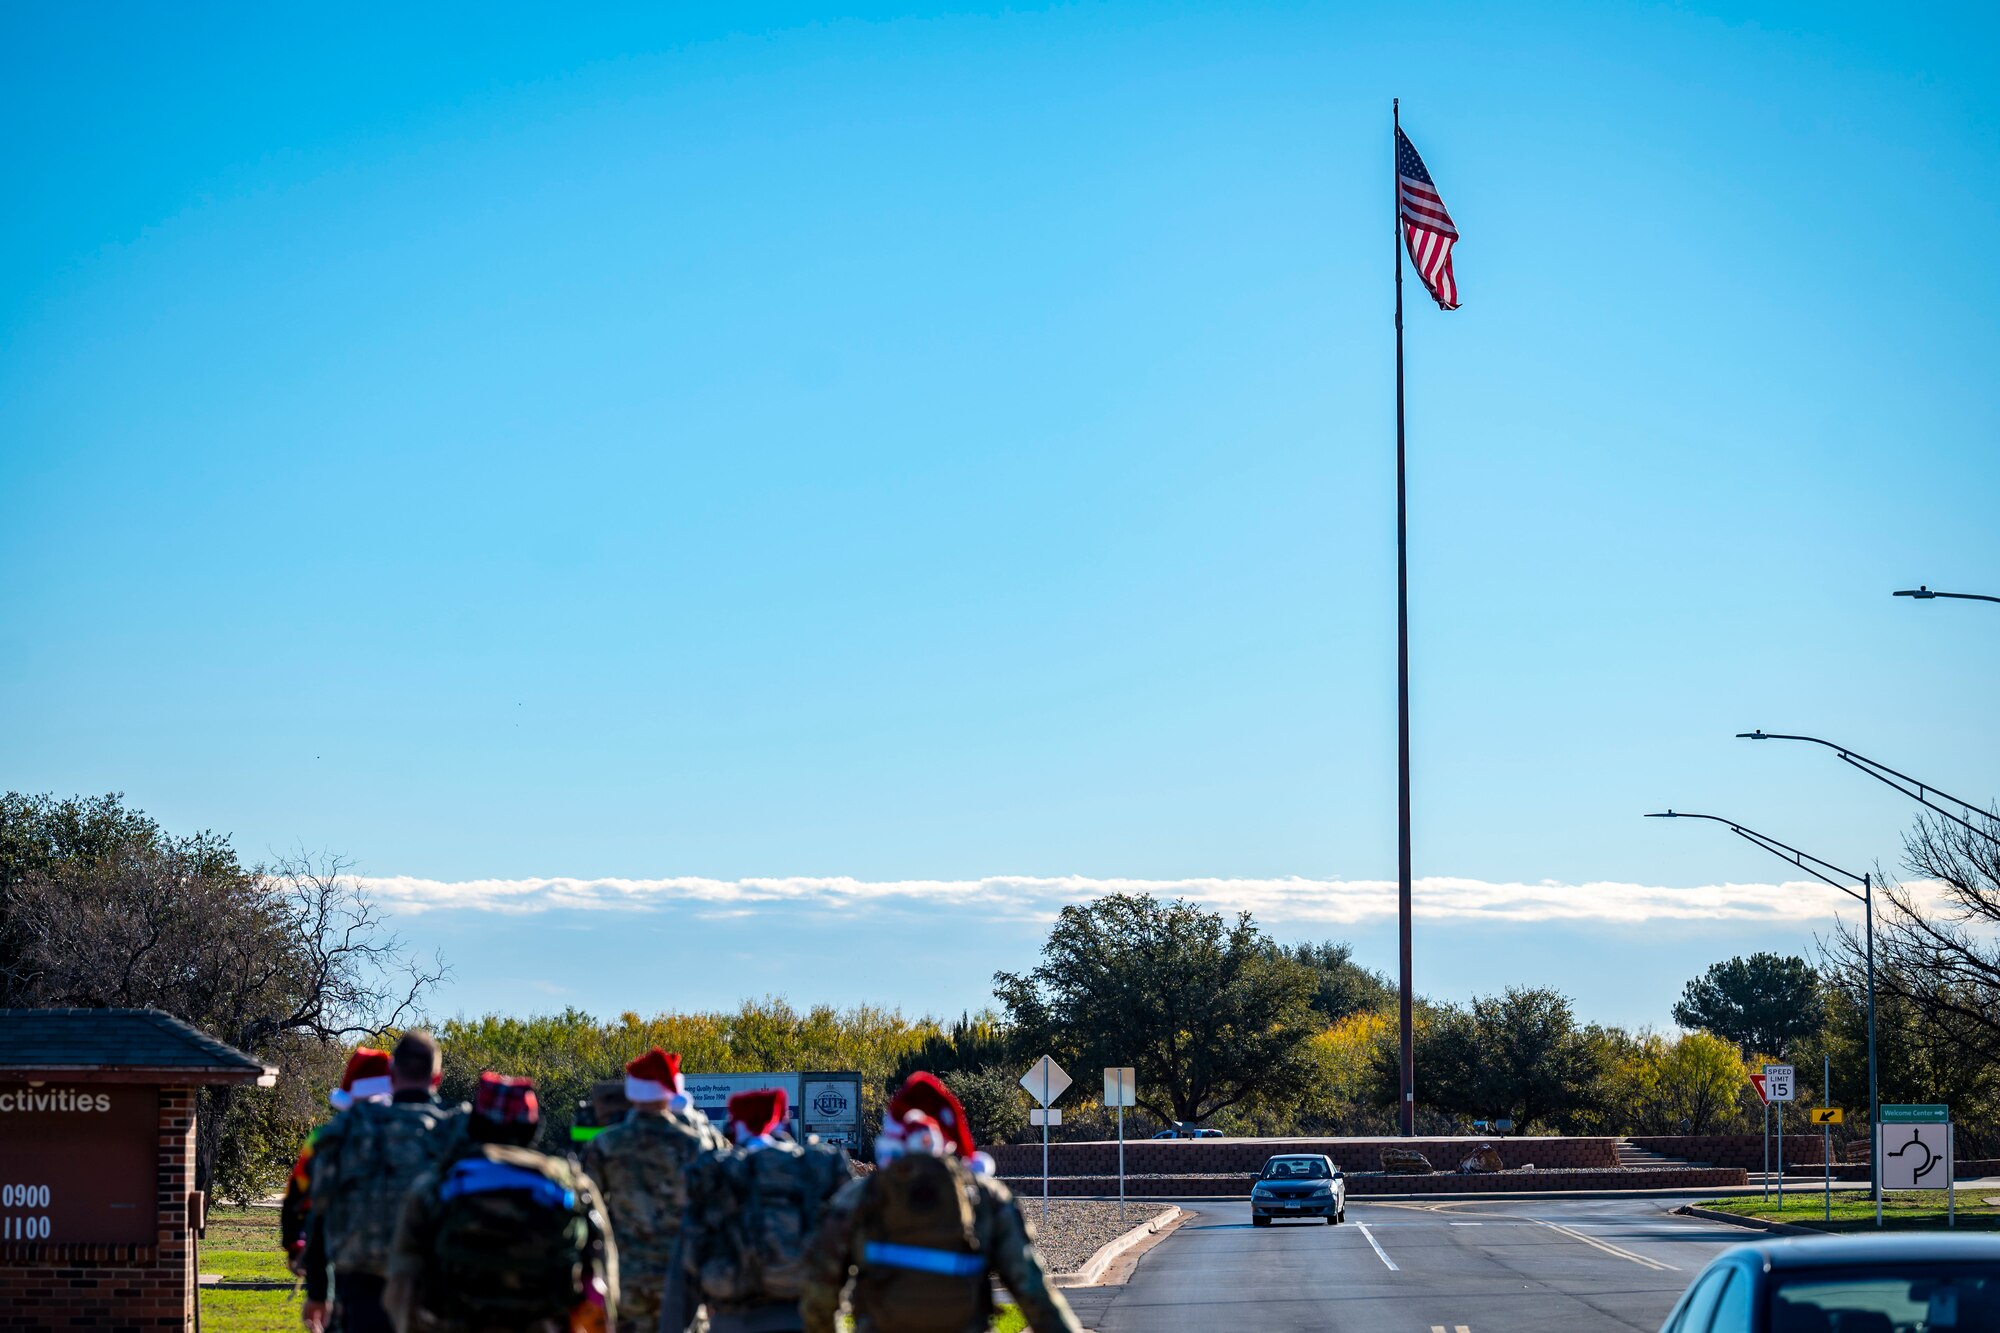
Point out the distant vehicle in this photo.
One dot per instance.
(1908, 1283)
(1299, 1185)
(1187, 1130)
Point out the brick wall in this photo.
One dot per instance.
(1238, 1186)
(1202, 1157)
(47, 1286)
(1805, 1148)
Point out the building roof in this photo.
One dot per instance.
(119, 1045)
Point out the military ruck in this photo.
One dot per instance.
(405, 1214)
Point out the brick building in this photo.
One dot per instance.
(98, 1206)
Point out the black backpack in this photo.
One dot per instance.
(512, 1239)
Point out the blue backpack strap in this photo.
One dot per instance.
(477, 1175)
(944, 1262)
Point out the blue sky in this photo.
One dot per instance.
(924, 445)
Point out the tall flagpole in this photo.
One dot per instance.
(1408, 1108)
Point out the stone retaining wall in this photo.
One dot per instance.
(1805, 1148)
(1207, 1157)
(1238, 1186)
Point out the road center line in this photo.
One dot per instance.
(1380, 1253)
(1609, 1248)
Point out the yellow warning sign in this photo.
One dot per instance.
(1828, 1115)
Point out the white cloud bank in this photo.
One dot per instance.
(1020, 897)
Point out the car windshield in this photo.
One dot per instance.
(1295, 1168)
(1911, 1300)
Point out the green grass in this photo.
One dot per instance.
(249, 1311)
(242, 1245)
(1854, 1210)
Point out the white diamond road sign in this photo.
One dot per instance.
(1916, 1157)
(1779, 1085)
(1045, 1081)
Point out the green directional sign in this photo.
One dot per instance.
(1916, 1115)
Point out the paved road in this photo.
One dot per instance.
(1484, 1267)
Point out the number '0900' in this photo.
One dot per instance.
(24, 1196)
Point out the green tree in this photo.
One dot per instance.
(994, 1102)
(1206, 1011)
(566, 1052)
(973, 1041)
(1520, 1055)
(1691, 1085)
(1342, 987)
(1765, 1002)
(102, 908)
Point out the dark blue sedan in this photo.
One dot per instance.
(1301, 1185)
(1908, 1283)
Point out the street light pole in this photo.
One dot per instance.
(1809, 863)
(1874, 1128)
(1920, 792)
(1924, 594)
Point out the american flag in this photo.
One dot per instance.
(1427, 228)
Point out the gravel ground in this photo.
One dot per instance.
(1077, 1227)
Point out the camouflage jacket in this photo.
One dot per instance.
(409, 1293)
(749, 1218)
(1003, 1237)
(363, 1162)
(640, 1167)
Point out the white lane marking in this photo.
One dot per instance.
(1609, 1248)
(1380, 1253)
(1465, 1224)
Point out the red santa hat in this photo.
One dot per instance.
(923, 1135)
(926, 1093)
(754, 1114)
(655, 1077)
(366, 1078)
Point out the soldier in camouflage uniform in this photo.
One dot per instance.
(923, 1237)
(751, 1211)
(363, 1162)
(371, 1068)
(499, 1238)
(640, 1166)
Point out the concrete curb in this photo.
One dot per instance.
(1095, 1267)
(1747, 1223)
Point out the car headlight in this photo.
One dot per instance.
(1324, 1187)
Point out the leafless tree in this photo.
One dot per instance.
(1937, 959)
(272, 959)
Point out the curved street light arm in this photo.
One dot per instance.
(1925, 594)
(1867, 897)
(1920, 792)
(1783, 851)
